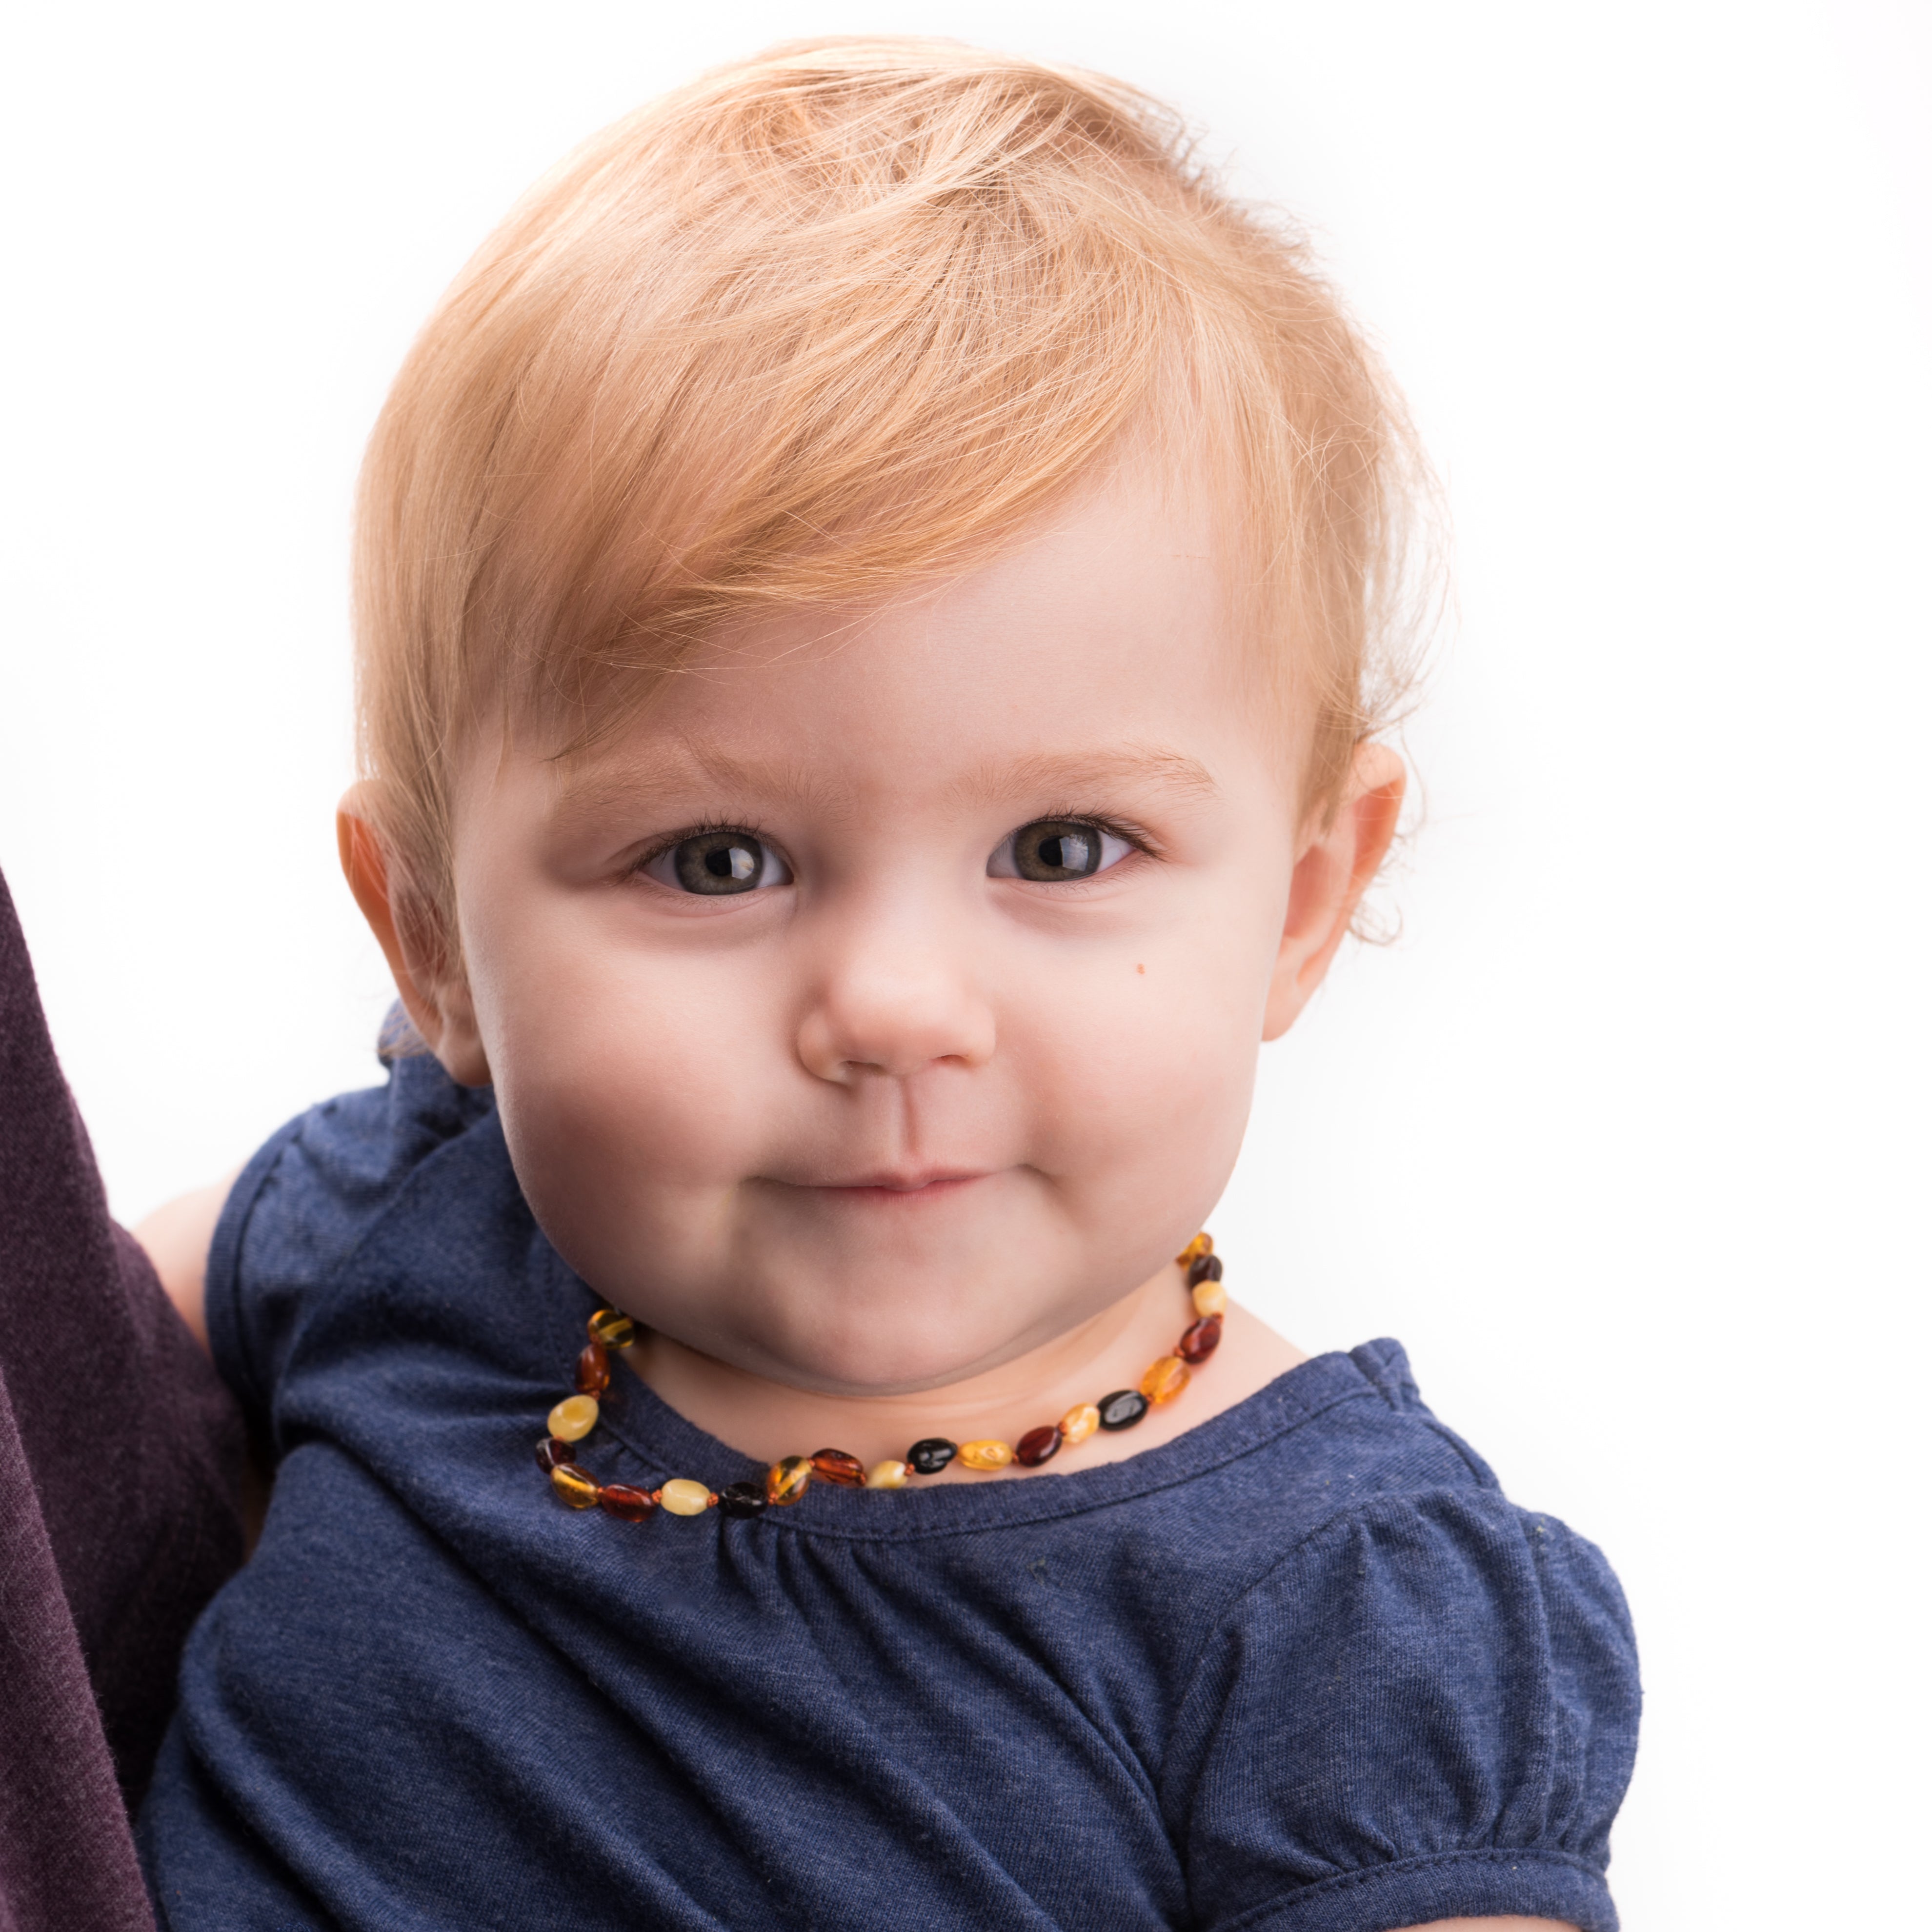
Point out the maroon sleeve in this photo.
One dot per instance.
(120, 1461)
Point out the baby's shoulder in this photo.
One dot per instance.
(313, 1192)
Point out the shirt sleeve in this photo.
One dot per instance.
(1427, 1710)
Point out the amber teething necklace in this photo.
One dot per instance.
(573, 1419)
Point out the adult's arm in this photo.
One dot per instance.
(120, 1466)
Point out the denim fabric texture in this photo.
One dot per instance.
(1304, 1667)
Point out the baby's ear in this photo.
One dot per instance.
(1335, 867)
(429, 976)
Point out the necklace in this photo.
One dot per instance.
(573, 1419)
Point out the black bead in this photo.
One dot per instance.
(1207, 1267)
(742, 1500)
(927, 1458)
(1123, 1409)
(551, 1452)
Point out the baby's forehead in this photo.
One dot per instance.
(1101, 650)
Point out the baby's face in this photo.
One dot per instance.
(885, 1001)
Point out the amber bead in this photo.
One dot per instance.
(593, 1369)
(1209, 1298)
(683, 1497)
(1202, 1339)
(1207, 1267)
(987, 1455)
(1165, 1380)
(930, 1455)
(613, 1328)
(626, 1504)
(574, 1417)
(742, 1500)
(551, 1452)
(1201, 1244)
(834, 1465)
(1037, 1446)
(1077, 1424)
(785, 1482)
(890, 1474)
(577, 1489)
(1123, 1409)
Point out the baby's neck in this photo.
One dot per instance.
(767, 1420)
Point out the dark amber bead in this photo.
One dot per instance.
(1201, 1244)
(787, 1481)
(1123, 1409)
(742, 1500)
(551, 1452)
(626, 1504)
(1206, 1268)
(930, 1455)
(1037, 1446)
(834, 1465)
(593, 1369)
(613, 1328)
(1201, 1340)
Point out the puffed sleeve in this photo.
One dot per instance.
(1426, 1710)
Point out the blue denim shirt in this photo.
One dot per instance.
(1303, 1667)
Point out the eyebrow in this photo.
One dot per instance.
(589, 791)
(1151, 767)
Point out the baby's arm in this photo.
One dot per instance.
(177, 1237)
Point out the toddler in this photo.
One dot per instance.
(870, 596)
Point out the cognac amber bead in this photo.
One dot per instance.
(593, 1369)
(985, 1455)
(890, 1474)
(834, 1465)
(1123, 1409)
(626, 1504)
(577, 1489)
(1077, 1424)
(1165, 1380)
(1202, 1339)
(612, 1328)
(573, 1418)
(1201, 1244)
(1037, 1446)
(930, 1454)
(1207, 1267)
(683, 1497)
(551, 1452)
(1211, 1298)
(785, 1482)
(742, 1500)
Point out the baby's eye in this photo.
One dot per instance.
(1056, 848)
(717, 863)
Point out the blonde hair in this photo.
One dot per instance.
(821, 325)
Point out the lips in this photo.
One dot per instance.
(918, 1181)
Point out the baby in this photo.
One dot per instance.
(870, 589)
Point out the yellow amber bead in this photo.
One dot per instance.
(1201, 1244)
(786, 1481)
(985, 1455)
(1077, 1424)
(612, 1327)
(577, 1489)
(683, 1497)
(890, 1474)
(574, 1417)
(1209, 1298)
(1165, 1380)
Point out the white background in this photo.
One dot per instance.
(1624, 1137)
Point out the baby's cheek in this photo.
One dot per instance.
(1145, 1100)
